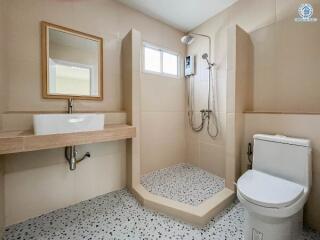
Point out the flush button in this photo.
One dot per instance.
(256, 235)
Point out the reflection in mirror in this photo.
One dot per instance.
(73, 64)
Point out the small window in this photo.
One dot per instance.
(152, 60)
(170, 63)
(160, 61)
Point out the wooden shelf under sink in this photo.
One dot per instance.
(26, 141)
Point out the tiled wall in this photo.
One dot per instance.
(163, 135)
(107, 19)
(239, 92)
(295, 125)
(203, 151)
(45, 173)
(131, 48)
(3, 83)
(39, 182)
(249, 15)
(286, 67)
(2, 109)
(281, 48)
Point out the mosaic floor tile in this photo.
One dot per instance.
(118, 215)
(184, 183)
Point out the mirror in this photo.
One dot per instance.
(71, 63)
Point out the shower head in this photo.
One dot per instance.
(205, 56)
(187, 39)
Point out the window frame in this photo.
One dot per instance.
(161, 50)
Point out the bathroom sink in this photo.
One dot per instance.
(45, 124)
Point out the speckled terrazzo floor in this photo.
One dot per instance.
(118, 215)
(184, 183)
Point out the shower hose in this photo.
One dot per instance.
(209, 114)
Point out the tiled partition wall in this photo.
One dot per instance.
(130, 72)
(239, 92)
(295, 125)
(163, 128)
(3, 102)
(2, 109)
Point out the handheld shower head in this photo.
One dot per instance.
(205, 56)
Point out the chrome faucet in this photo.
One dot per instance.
(70, 105)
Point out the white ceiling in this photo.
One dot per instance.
(181, 14)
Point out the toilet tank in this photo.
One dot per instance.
(285, 157)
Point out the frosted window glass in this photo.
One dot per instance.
(152, 60)
(170, 64)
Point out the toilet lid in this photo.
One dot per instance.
(268, 191)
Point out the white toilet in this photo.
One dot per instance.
(276, 189)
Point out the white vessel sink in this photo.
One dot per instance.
(45, 124)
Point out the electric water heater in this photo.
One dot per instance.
(189, 66)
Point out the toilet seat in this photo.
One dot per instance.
(268, 191)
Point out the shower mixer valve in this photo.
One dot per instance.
(205, 112)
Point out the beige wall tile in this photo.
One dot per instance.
(252, 14)
(3, 82)
(47, 188)
(265, 90)
(239, 98)
(160, 93)
(281, 47)
(193, 150)
(230, 133)
(232, 45)
(220, 139)
(230, 171)
(244, 71)
(103, 173)
(163, 141)
(286, 60)
(39, 182)
(102, 18)
(163, 123)
(212, 158)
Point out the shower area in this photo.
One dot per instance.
(194, 178)
(186, 156)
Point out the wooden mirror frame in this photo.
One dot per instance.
(45, 26)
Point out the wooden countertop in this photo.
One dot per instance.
(25, 141)
(285, 113)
